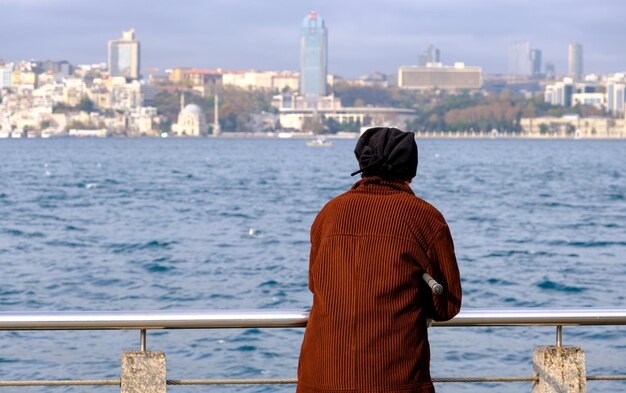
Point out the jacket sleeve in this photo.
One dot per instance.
(444, 269)
(315, 242)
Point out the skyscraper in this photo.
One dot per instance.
(616, 94)
(124, 57)
(536, 58)
(521, 59)
(428, 55)
(313, 56)
(575, 60)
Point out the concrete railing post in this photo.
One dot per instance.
(560, 370)
(143, 372)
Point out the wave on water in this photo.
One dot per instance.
(554, 286)
(127, 248)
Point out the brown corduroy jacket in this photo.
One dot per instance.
(367, 330)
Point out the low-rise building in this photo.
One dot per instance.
(299, 113)
(436, 76)
(573, 126)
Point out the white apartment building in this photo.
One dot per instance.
(567, 93)
(616, 94)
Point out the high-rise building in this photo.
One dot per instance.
(550, 71)
(313, 56)
(520, 60)
(428, 55)
(124, 57)
(616, 94)
(575, 60)
(536, 59)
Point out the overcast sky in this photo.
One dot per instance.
(364, 35)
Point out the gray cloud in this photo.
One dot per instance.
(363, 35)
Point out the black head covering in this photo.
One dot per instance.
(387, 152)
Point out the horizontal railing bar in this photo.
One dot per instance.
(484, 379)
(284, 381)
(606, 377)
(67, 382)
(288, 381)
(212, 319)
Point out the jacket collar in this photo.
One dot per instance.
(378, 185)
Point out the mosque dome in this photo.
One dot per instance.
(192, 108)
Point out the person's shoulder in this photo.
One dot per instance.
(333, 202)
(422, 208)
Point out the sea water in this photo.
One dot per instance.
(190, 224)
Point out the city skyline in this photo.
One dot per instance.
(239, 35)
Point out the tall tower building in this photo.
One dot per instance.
(575, 60)
(536, 58)
(521, 60)
(428, 55)
(124, 59)
(313, 56)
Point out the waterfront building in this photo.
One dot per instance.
(124, 56)
(573, 126)
(428, 55)
(436, 76)
(297, 113)
(521, 60)
(313, 56)
(191, 120)
(575, 61)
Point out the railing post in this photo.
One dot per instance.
(143, 372)
(559, 369)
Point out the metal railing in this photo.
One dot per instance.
(225, 319)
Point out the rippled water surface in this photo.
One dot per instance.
(223, 223)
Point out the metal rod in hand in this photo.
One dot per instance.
(433, 284)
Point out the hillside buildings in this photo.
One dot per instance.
(436, 76)
(124, 56)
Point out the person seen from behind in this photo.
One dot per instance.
(367, 329)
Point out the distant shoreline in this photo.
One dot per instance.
(349, 136)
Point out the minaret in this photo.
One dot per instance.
(182, 101)
(216, 117)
